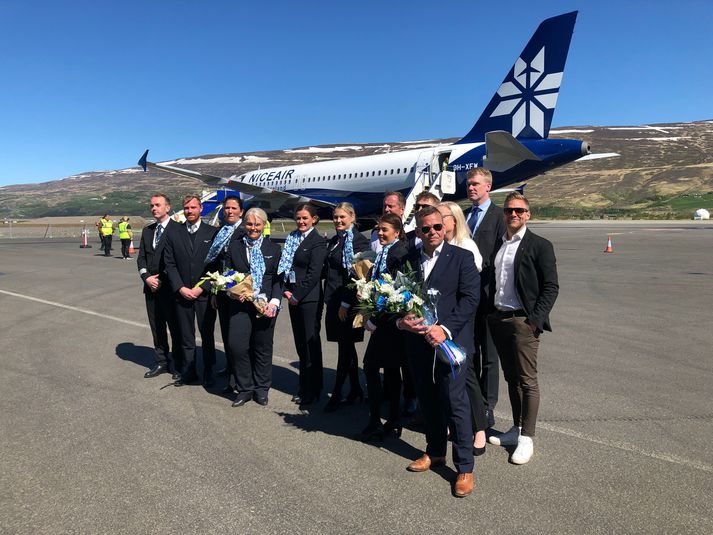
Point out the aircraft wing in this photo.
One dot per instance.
(269, 199)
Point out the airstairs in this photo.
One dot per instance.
(429, 178)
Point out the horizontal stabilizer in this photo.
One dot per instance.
(504, 152)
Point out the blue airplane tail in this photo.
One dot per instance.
(525, 102)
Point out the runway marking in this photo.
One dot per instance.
(104, 316)
(624, 446)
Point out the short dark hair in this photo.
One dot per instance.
(233, 198)
(309, 207)
(427, 195)
(394, 221)
(425, 212)
(165, 197)
(398, 195)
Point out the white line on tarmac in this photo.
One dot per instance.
(624, 446)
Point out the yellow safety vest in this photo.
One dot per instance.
(266, 230)
(107, 227)
(124, 230)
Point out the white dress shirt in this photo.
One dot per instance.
(164, 224)
(469, 245)
(427, 262)
(192, 229)
(505, 292)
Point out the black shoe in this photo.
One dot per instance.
(477, 452)
(240, 400)
(187, 378)
(208, 381)
(228, 390)
(155, 371)
(333, 404)
(371, 432)
(176, 376)
(260, 399)
(297, 398)
(355, 396)
(309, 400)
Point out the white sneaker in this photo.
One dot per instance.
(509, 438)
(523, 452)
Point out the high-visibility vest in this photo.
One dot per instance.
(107, 227)
(124, 230)
(266, 230)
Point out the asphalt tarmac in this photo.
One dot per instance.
(624, 440)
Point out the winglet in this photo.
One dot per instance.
(143, 159)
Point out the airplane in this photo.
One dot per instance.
(510, 138)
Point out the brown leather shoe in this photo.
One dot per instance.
(464, 484)
(425, 462)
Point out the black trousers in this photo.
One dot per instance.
(161, 310)
(486, 367)
(444, 404)
(107, 245)
(306, 324)
(477, 405)
(125, 247)
(250, 341)
(187, 312)
(347, 366)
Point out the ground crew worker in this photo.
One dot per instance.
(125, 235)
(266, 230)
(107, 230)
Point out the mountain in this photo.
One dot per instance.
(663, 171)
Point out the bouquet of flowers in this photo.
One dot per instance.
(236, 284)
(402, 296)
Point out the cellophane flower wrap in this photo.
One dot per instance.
(237, 284)
(448, 351)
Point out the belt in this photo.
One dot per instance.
(520, 313)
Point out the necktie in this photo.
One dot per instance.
(473, 221)
(159, 233)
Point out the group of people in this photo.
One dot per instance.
(105, 227)
(497, 282)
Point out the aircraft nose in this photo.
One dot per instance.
(586, 149)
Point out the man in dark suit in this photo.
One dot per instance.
(157, 291)
(184, 255)
(441, 391)
(485, 221)
(523, 289)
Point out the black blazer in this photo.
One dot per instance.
(536, 280)
(184, 257)
(237, 259)
(456, 277)
(151, 259)
(222, 261)
(307, 265)
(486, 237)
(336, 278)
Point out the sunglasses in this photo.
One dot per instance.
(518, 210)
(419, 206)
(437, 227)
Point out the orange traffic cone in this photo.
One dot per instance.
(131, 247)
(609, 248)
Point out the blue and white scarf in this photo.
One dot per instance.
(257, 262)
(348, 249)
(380, 264)
(221, 239)
(288, 253)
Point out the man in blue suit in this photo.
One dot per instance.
(441, 391)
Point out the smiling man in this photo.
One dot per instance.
(441, 391)
(523, 291)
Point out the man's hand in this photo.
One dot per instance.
(187, 293)
(270, 311)
(412, 324)
(153, 283)
(435, 335)
(290, 298)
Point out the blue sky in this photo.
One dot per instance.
(88, 85)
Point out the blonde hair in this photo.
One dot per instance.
(347, 207)
(461, 231)
(480, 171)
(257, 212)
